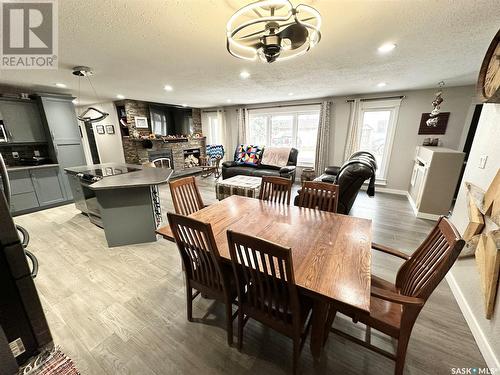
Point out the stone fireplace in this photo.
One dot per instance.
(191, 157)
(135, 153)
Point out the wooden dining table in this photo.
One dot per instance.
(331, 252)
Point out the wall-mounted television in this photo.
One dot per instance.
(170, 120)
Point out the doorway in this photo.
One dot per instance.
(89, 129)
(468, 143)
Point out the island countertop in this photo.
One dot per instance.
(139, 178)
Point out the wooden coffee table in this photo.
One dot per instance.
(245, 186)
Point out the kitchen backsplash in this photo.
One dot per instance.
(25, 151)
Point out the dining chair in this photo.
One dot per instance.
(276, 189)
(162, 163)
(394, 308)
(321, 195)
(186, 196)
(202, 266)
(266, 289)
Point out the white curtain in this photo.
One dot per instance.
(242, 125)
(323, 140)
(352, 140)
(224, 134)
(205, 126)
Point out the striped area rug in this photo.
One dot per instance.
(51, 362)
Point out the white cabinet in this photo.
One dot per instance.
(434, 178)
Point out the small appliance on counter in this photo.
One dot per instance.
(35, 160)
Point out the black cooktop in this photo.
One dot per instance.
(109, 171)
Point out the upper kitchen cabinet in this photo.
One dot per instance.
(60, 117)
(22, 121)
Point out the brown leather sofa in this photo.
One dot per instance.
(361, 166)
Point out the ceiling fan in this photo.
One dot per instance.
(272, 30)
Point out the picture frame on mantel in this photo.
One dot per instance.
(141, 122)
(440, 128)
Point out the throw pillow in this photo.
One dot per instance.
(248, 154)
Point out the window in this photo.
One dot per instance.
(286, 127)
(376, 121)
(158, 123)
(211, 128)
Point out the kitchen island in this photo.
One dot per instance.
(123, 199)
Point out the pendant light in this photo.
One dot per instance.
(85, 71)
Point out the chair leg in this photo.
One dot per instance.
(401, 354)
(189, 301)
(240, 328)
(229, 322)
(296, 354)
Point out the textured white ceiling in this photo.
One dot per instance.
(136, 47)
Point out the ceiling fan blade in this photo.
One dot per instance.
(297, 34)
(281, 26)
(251, 39)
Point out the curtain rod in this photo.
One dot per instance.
(213, 111)
(285, 105)
(370, 99)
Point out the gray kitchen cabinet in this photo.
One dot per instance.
(20, 182)
(35, 188)
(48, 187)
(22, 121)
(60, 116)
(24, 202)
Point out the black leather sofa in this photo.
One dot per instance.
(231, 168)
(360, 167)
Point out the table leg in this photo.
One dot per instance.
(319, 317)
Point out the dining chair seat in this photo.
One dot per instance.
(384, 316)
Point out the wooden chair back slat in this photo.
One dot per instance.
(276, 189)
(321, 195)
(185, 196)
(198, 249)
(267, 271)
(421, 274)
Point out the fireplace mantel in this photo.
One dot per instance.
(135, 153)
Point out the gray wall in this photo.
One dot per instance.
(465, 277)
(109, 146)
(458, 101)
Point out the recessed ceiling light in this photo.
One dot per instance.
(168, 88)
(386, 47)
(229, 100)
(62, 85)
(120, 96)
(184, 105)
(75, 101)
(244, 74)
(381, 84)
(290, 94)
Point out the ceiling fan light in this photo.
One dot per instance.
(283, 31)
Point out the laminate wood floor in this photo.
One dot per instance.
(122, 310)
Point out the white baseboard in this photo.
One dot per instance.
(390, 191)
(421, 215)
(385, 190)
(484, 346)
